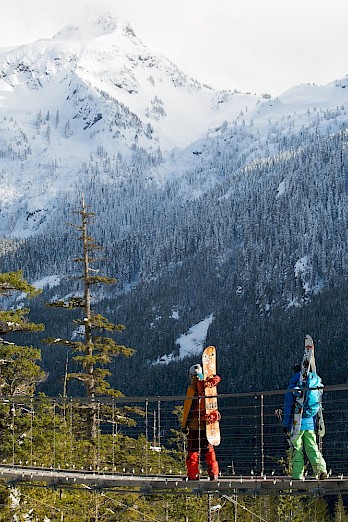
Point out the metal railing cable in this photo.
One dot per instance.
(165, 398)
(251, 435)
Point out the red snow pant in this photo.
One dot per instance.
(197, 443)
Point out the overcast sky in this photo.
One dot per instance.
(251, 45)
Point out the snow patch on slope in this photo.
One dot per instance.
(49, 281)
(191, 343)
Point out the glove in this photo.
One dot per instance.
(212, 381)
(285, 429)
(185, 431)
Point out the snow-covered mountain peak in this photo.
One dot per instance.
(96, 65)
(90, 29)
(94, 96)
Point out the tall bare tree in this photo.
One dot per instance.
(95, 351)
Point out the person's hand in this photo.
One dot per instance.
(212, 381)
(185, 431)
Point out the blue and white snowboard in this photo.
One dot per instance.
(320, 415)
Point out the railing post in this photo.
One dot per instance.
(98, 438)
(159, 422)
(147, 436)
(71, 433)
(13, 412)
(31, 430)
(113, 435)
(262, 435)
(159, 435)
(54, 435)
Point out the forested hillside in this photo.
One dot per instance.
(264, 251)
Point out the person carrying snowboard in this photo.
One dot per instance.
(194, 424)
(306, 438)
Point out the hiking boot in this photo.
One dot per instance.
(214, 477)
(323, 475)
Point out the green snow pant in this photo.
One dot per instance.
(306, 439)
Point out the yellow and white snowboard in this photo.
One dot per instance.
(212, 415)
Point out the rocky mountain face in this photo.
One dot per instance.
(222, 214)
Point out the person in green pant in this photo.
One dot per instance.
(306, 439)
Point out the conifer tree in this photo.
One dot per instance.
(19, 372)
(94, 352)
(340, 512)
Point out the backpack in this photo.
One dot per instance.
(312, 398)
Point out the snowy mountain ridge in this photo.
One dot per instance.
(63, 100)
(92, 96)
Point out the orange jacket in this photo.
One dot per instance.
(194, 409)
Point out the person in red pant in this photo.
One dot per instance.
(193, 425)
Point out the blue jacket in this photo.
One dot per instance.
(289, 402)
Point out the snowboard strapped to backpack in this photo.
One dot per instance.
(309, 390)
(312, 390)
